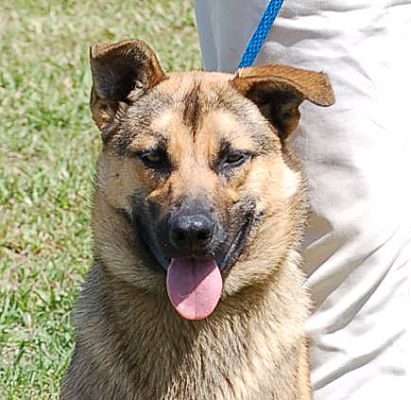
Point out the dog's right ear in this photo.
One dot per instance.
(121, 73)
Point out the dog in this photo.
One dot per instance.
(199, 210)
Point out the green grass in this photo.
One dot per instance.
(48, 148)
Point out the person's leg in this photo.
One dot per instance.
(357, 156)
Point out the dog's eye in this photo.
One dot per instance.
(235, 159)
(155, 159)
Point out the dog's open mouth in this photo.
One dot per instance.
(194, 285)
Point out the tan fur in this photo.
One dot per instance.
(131, 344)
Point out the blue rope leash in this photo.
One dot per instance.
(261, 33)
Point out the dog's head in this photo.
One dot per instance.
(196, 184)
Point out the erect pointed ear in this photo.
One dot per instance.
(121, 73)
(278, 90)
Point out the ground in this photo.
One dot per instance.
(48, 148)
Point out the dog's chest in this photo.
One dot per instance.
(231, 369)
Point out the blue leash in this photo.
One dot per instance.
(261, 33)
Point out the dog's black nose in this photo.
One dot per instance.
(191, 232)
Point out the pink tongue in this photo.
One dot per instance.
(194, 287)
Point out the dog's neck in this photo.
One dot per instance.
(232, 353)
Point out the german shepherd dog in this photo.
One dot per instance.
(196, 292)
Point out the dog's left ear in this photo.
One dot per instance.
(121, 73)
(278, 91)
